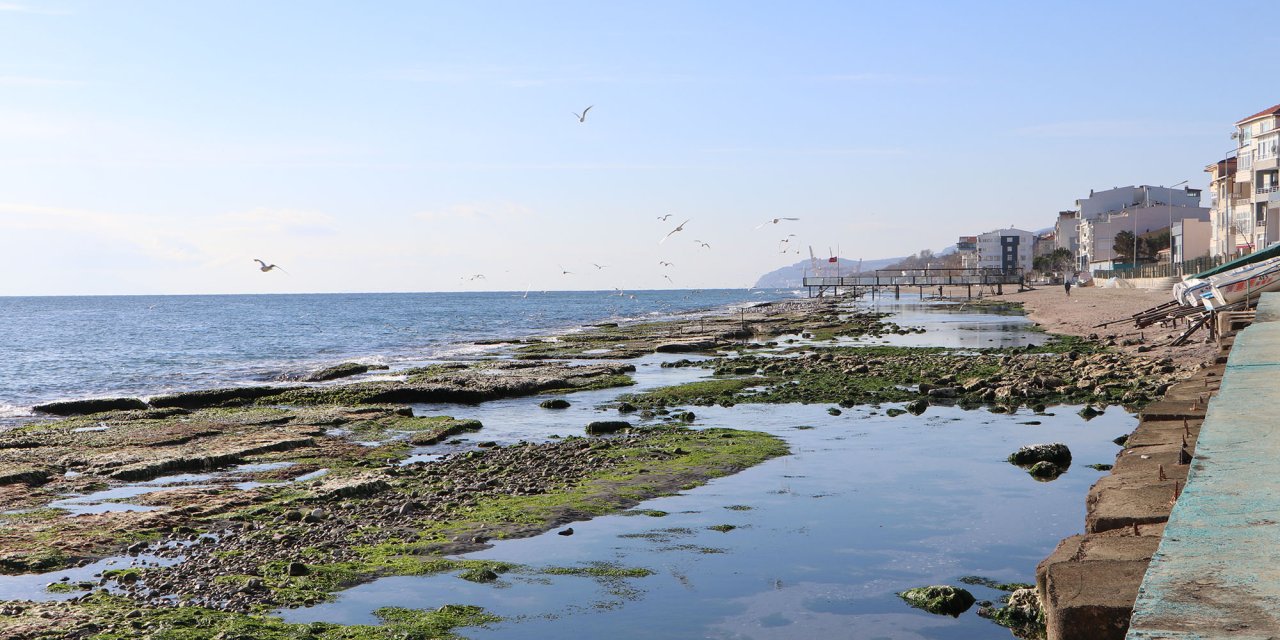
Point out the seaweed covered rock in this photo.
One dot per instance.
(92, 405)
(1056, 453)
(1023, 614)
(607, 426)
(554, 403)
(344, 370)
(939, 599)
(917, 407)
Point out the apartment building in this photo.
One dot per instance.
(1136, 209)
(1230, 201)
(1066, 231)
(1255, 217)
(1006, 250)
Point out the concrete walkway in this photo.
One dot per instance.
(1216, 573)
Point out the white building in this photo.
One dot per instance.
(1255, 218)
(1006, 250)
(1138, 210)
(1066, 231)
(1230, 201)
(1191, 240)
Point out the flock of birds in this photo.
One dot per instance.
(582, 118)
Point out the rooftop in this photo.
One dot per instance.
(1265, 112)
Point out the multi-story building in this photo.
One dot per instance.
(1006, 250)
(1138, 210)
(1257, 220)
(1226, 237)
(1066, 231)
(967, 247)
(1191, 239)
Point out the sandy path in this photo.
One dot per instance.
(1078, 314)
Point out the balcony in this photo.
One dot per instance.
(1268, 189)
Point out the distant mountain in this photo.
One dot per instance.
(790, 277)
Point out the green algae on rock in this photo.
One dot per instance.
(939, 599)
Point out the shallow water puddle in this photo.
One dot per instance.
(807, 545)
(34, 586)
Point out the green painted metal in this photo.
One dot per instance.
(1216, 573)
(1261, 254)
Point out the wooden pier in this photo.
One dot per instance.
(885, 280)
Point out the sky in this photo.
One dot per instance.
(158, 147)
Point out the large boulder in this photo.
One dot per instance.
(939, 599)
(1056, 453)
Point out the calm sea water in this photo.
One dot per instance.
(54, 348)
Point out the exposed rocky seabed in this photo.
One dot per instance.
(215, 509)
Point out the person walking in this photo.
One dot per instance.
(1066, 283)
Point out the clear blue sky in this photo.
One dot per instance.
(158, 147)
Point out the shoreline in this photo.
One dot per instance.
(15, 414)
(214, 430)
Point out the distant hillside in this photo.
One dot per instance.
(790, 277)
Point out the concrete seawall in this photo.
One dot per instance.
(1088, 585)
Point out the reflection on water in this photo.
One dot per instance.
(822, 539)
(817, 542)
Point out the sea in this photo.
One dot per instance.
(72, 347)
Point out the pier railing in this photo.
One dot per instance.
(919, 278)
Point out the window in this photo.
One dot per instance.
(1266, 148)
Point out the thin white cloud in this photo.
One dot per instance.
(33, 81)
(15, 7)
(884, 78)
(523, 78)
(216, 239)
(488, 211)
(1117, 129)
(812, 151)
(126, 229)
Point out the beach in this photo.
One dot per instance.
(1086, 307)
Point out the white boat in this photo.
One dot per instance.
(1250, 280)
(1187, 293)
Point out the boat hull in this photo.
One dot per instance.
(1247, 282)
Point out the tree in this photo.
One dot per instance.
(1058, 260)
(1124, 245)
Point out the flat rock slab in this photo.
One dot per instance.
(1217, 571)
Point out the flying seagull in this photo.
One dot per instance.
(664, 218)
(599, 266)
(478, 276)
(774, 221)
(582, 117)
(267, 267)
(664, 263)
(563, 271)
(669, 279)
(705, 245)
(669, 233)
